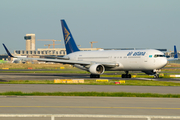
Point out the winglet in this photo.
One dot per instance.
(68, 39)
(175, 52)
(7, 51)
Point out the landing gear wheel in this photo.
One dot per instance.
(129, 75)
(126, 75)
(156, 76)
(123, 75)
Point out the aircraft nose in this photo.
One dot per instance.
(164, 62)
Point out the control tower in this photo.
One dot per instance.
(30, 42)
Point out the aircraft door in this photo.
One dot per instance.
(155, 57)
(75, 57)
(146, 57)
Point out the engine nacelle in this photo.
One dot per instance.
(96, 69)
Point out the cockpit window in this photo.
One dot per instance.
(159, 56)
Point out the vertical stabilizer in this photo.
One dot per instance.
(175, 52)
(9, 54)
(68, 39)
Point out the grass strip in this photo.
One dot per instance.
(138, 75)
(96, 94)
(93, 82)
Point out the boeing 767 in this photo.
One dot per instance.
(149, 61)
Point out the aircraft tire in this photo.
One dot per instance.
(123, 76)
(126, 76)
(156, 76)
(129, 76)
(94, 76)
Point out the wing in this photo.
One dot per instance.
(65, 60)
(72, 62)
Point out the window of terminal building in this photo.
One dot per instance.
(62, 52)
(38, 52)
(27, 37)
(23, 52)
(31, 52)
(53, 52)
(17, 51)
(42, 52)
(45, 52)
(34, 52)
(56, 52)
(27, 52)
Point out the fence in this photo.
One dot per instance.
(53, 116)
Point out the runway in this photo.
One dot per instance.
(89, 105)
(83, 105)
(88, 88)
(76, 88)
(52, 76)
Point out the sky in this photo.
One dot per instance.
(113, 23)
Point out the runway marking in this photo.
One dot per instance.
(90, 107)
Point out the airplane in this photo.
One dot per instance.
(19, 59)
(16, 59)
(149, 61)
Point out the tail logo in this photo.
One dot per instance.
(67, 37)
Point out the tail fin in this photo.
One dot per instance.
(68, 39)
(7, 51)
(175, 52)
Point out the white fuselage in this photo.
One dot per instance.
(130, 60)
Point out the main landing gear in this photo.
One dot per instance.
(126, 75)
(94, 76)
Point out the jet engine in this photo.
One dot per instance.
(96, 69)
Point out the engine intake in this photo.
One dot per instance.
(96, 69)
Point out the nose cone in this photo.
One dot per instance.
(163, 62)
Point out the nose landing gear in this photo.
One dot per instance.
(154, 72)
(156, 75)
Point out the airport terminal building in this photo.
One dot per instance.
(47, 51)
